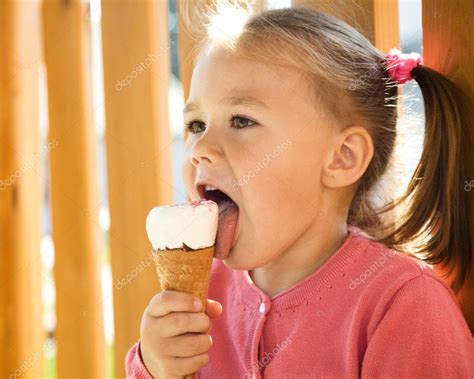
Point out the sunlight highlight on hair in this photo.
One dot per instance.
(227, 23)
(278, 4)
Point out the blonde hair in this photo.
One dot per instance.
(349, 79)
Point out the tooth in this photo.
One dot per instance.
(210, 188)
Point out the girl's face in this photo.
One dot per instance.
(255, 134)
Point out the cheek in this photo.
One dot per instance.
(304, 165)
(288, 188)
(268, 200)
(188, 172)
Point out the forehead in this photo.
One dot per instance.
(219, 73)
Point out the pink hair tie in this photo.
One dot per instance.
(400, 65)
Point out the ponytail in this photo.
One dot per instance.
(435, 222)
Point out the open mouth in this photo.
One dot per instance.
(228, 218)
(209, 192)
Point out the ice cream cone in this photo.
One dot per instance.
(185, 270)
(183, 259)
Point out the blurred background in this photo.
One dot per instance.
(92, 138)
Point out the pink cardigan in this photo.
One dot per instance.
(367, 312)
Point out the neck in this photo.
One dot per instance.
(302, 259)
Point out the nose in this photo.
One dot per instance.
(205, 149)
(195, 160)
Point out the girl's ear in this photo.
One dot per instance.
(349, 158)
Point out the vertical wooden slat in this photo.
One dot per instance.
(136, 54)
(448, 47)
(357, 13)
(375, 19)
(21, 331)
(386, 25)
(74, 191)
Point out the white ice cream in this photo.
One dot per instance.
(194, 224)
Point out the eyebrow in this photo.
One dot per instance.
(234, 101)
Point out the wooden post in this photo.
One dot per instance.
(448, 47)
(22, 347)
(80, 335)
(136, 51)
(375, 19)
(386, 29)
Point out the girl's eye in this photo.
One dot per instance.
(237, 122)
(194, 126)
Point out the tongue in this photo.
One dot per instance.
(228, 215)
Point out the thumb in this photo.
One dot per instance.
(213, 308)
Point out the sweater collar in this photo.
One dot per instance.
(331, 270)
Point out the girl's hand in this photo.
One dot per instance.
(174, 334)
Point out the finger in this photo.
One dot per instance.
(189, 345)
(213, 309)
(189, 365)
(176, 323)
(172, 301)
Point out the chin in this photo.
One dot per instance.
(240, 259)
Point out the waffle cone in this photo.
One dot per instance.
(185, 270)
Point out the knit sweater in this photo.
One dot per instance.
(368, 311)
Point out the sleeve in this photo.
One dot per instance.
(421, 334)
(134, 366)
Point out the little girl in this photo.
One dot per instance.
(294, 117)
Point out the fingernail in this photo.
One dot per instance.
(197, 304)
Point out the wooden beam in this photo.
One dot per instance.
(80, 335)
(22, 335)
(448, 47)
(136, 51)
(375, 19)
(386, 25)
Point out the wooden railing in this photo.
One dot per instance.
(138, 159)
